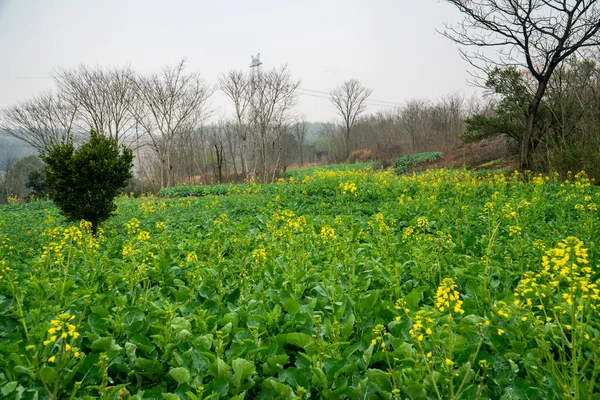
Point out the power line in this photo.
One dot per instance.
(369, 100)
(323, 95)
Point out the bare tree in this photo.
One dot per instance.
(172, 101)
(41, 121)
(273, 97)
(535, 34)
(236, 85)
(103, 99)
(299, 129)
(349, 100)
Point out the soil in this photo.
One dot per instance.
(489, 154)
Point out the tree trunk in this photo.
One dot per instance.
(347, 142)
(526, 139)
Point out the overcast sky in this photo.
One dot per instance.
(391, 46)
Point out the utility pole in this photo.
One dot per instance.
(255, 71)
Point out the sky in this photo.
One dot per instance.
(390, 46)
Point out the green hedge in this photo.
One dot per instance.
(213, 190)
(405, 163)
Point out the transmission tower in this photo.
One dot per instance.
(255, 70)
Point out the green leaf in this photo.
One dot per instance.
(180, 374)
(291, 306)
(148, 367)
(242, 369)
(143, 343)
(295, 338)
(283, 390)
(9, 388)
(414, 297)
(106, 344)
(348, 326)
(48, 373)
(220, 369)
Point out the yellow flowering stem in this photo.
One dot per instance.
(437, 392)
(474, 357)
(59, 368)
(41, 378)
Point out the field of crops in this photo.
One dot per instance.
(342, 284)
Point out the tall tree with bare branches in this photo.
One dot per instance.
(236, 85)
(103, 99)
(349, 100)
(537, 35)
(41, 121)
(172, 101)
(299, 130)
(273, 97)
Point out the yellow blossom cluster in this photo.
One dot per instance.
(447, 297)
(564, 282)
(327, 232)
(382, 225)
(421, 325)
(259, 255)
(514, 230)
(408, 232)
(65, 332)
(379, 331)
(4, 269)
(221, 220)
(423, 222)
(133, 226)
(348, 188)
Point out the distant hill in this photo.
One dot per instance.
(11, 148)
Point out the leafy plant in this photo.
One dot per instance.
(83, 182)
(405, 163)
(35, 183)
(345, 284)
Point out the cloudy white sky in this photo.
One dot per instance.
(391, 46)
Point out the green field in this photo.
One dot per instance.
(341, 284)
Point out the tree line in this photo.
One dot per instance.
(541, 81)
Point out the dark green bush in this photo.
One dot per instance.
(83, 182)
(214, 190)
(35, 183)
(405, 163)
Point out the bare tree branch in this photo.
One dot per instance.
(349, 100)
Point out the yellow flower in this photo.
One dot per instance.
(428, 355)
(447, 297)
(449, 362)
(500, 331)
(52, 359)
